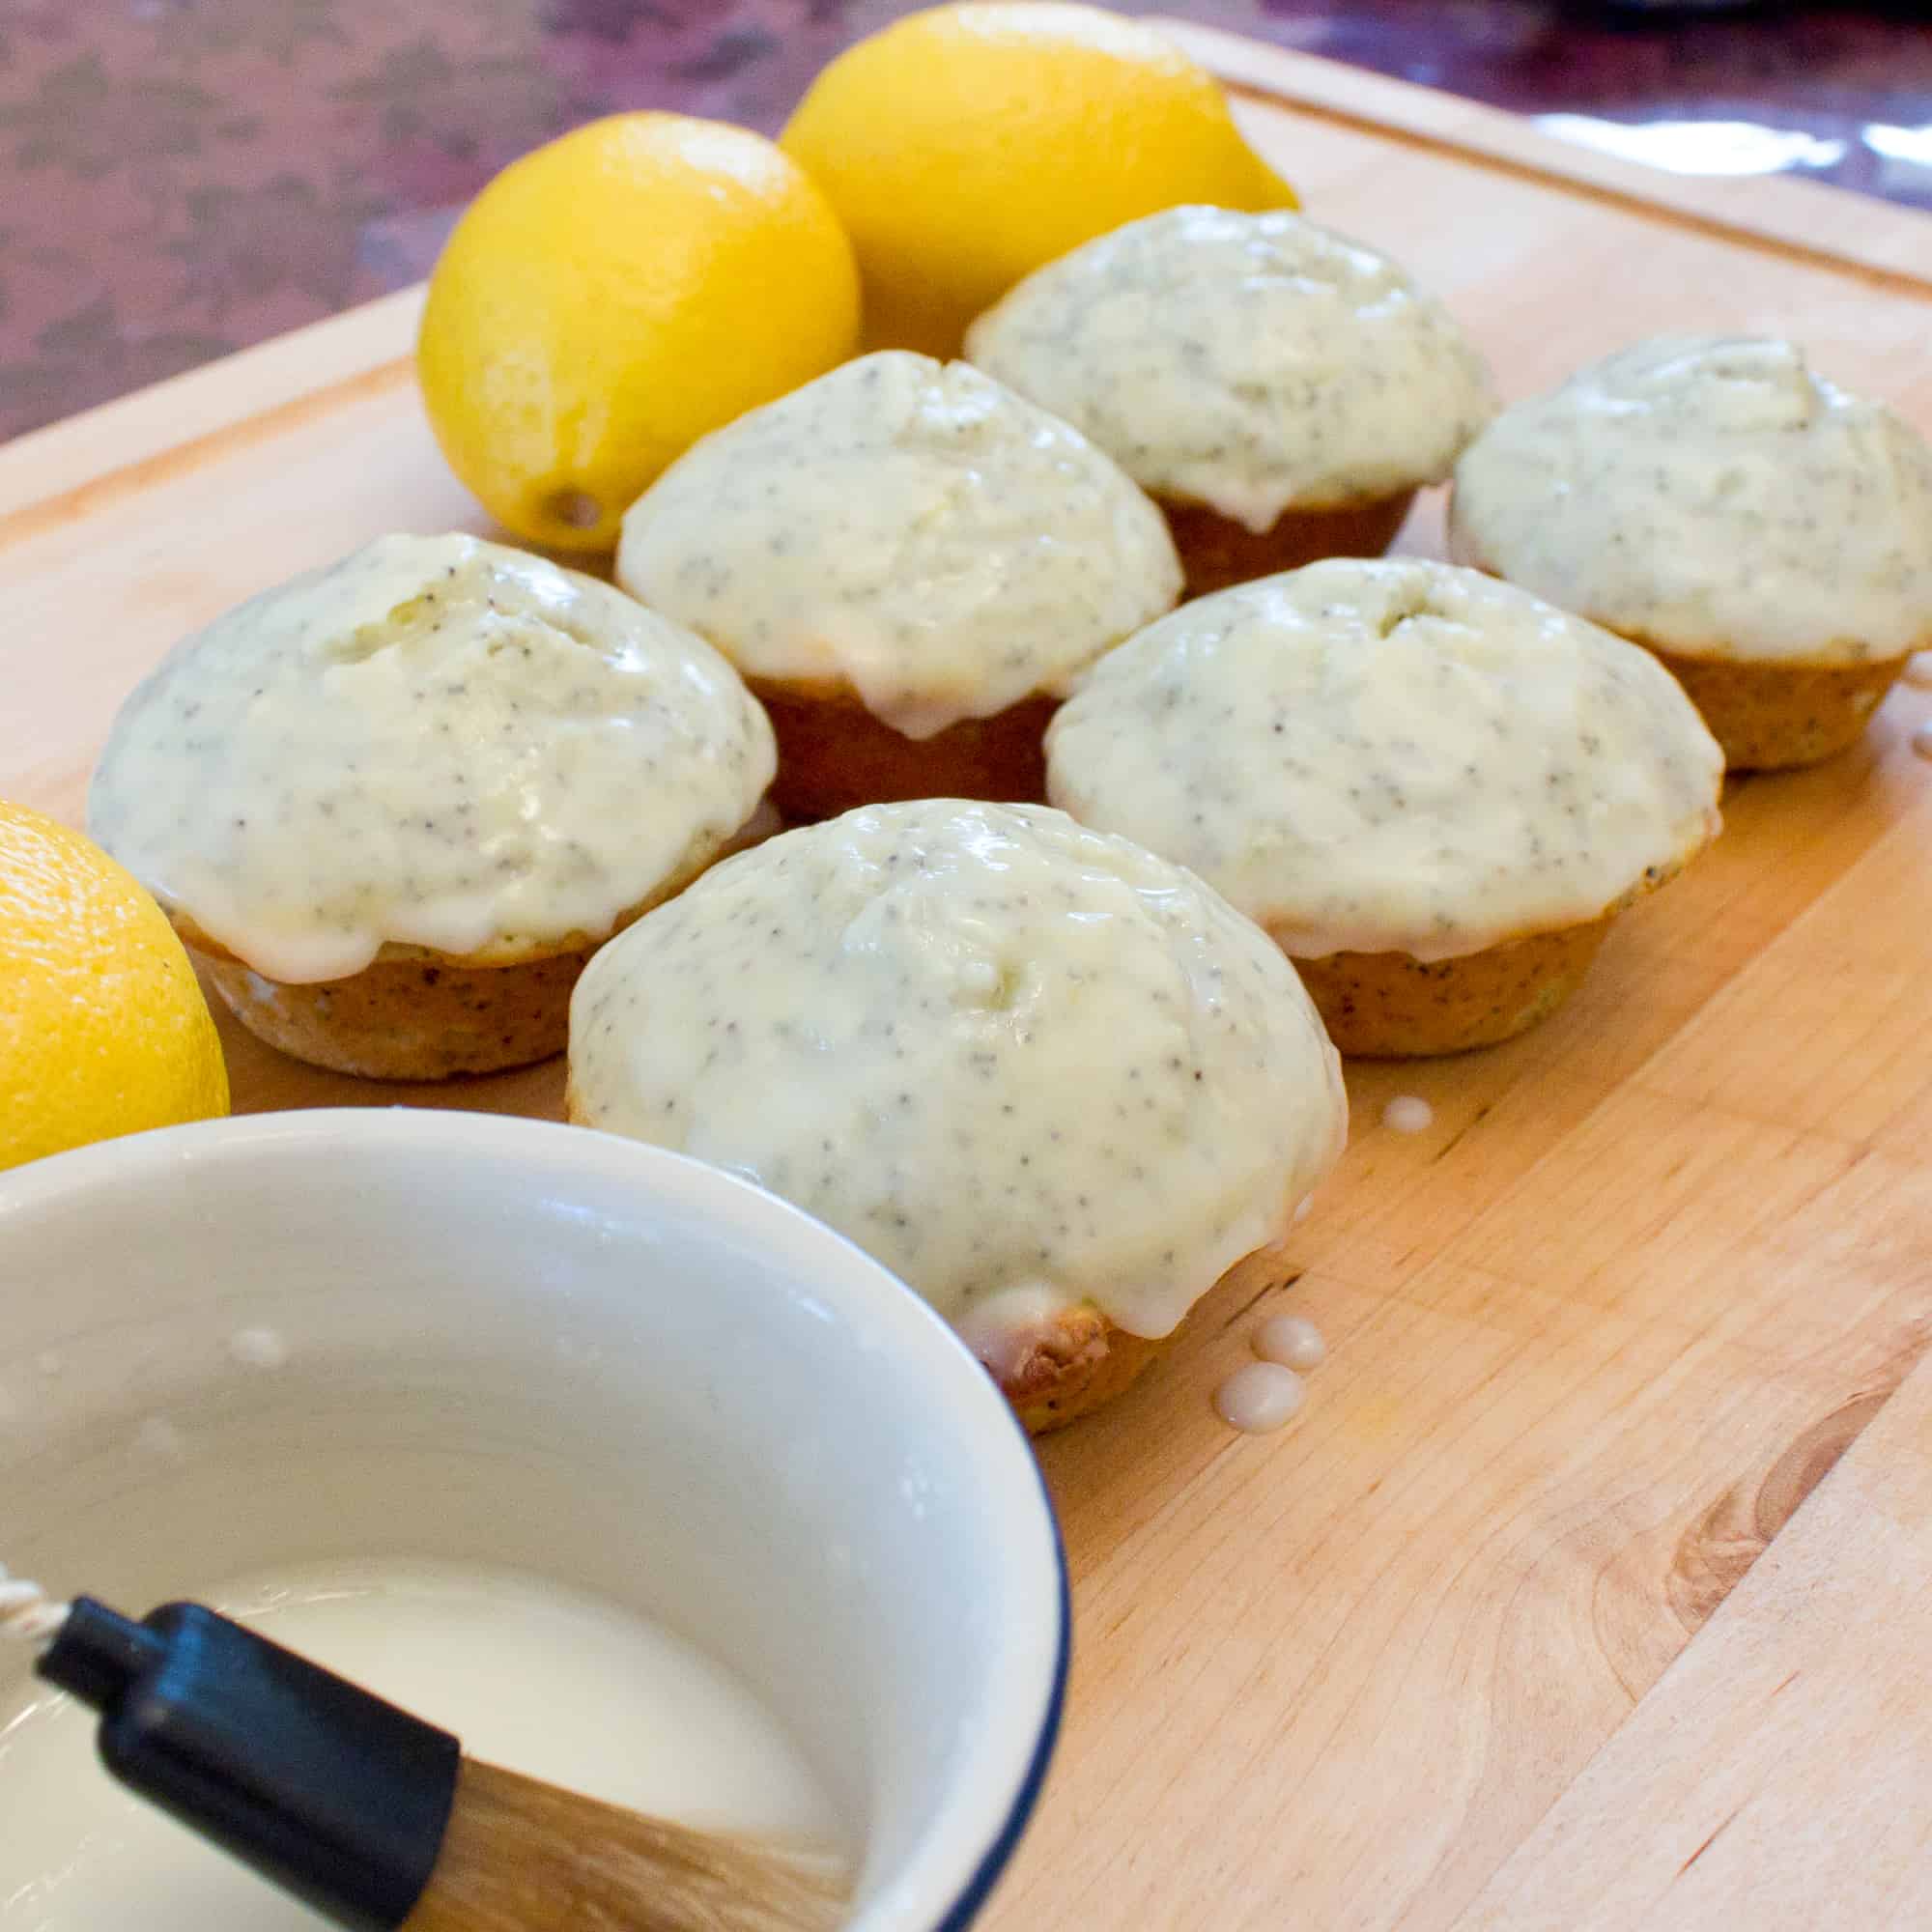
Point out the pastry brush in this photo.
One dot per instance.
(377, 1819)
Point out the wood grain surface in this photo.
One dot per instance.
(1778, 1776)
(1421, 1660)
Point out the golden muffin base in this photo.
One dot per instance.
(835, 754)
(418, 1015)
(1216, 552)
(1391, 1006)
(1771, 716)
(409, 1019)
(1070, 1366)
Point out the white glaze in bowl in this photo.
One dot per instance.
(510, 1343)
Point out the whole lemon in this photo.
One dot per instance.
(966, 146)
(613, 296)
(102, 1028)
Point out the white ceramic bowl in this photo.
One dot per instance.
(553, 1350)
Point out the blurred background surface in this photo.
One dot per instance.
(181, 178)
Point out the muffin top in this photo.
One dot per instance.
(1251, 362)
(1392, 757)
(906, 531)
(436, 742)
(1715, 498)
(1023, 1063)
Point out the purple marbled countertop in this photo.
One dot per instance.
(181, 178)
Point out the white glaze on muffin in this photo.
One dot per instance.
(1251, 362)
(1024, 1065)
(1391, 755)
(908, 530)
(1715, 497)
(436, 742)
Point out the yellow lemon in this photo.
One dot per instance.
(965, 147)
(612, 298)
(102, 1028)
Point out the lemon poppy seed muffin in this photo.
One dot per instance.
(1766, 533)
(394, 804)
(1053, 1082)
(1431, 788)
(910, 566)
(1281, 391)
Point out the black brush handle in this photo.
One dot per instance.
(334, 1795)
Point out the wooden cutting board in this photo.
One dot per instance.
(1484, 1640)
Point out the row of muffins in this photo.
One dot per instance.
(914, 562)
(1058, 1083)
(396, 805)
(1280, 393)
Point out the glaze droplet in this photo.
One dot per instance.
(1918, 670)
(258, 1348)
(1408, 1114)
(1259, 1398)
(1292, 1340)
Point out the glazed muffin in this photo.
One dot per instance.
(1280, 392)
(910, 566)
(1433, 790)
(1768, 535)
(395, 804)
(1054, 1083)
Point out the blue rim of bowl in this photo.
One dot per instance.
(999, 1854)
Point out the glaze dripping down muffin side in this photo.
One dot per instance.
(394, 802)
(1280, 390)
(1432, 789)
(1714, 498)
(910, 565)
(1054, 1083)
